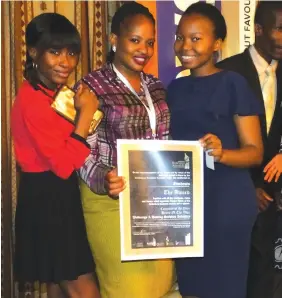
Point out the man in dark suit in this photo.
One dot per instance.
(260, 65)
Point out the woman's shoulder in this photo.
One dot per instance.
(31, 101)
(152, 80)
(99, 74)
(149, 76)
(27, 93)
(223, 77)
(242, 98)
(98, 80)
(177, 82)
(25, 88)
(234, 78)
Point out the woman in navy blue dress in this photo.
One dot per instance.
(218, 108)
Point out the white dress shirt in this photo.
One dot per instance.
(268, 83)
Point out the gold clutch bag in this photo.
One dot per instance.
(63, 104)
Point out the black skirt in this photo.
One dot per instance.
(51, 240)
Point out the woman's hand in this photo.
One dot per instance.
(250, 150)
(86, 104)
(273, 169)
(213, 143)
(85, 100)
(114, 183)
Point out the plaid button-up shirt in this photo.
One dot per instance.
(125, 117)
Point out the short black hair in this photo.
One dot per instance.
(213, 14)
(46, 31)
(127, 10)
(265, 9)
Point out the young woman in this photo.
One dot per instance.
(120, 87)
(51, 240)
(218, 108)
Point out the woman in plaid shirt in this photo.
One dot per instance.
(119, 86)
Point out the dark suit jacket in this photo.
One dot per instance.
(243, 64)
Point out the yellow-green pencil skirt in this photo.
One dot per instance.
(134, 279)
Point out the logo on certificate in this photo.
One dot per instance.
(183, 164)
(187, 162)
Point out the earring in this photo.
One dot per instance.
(34, 65)
(114, 48)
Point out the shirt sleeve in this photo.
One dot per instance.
(64, 152)
(93, 171)
(243, 100)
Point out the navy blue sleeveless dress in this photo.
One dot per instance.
(201, 105)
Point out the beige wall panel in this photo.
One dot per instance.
(66, 8)
(42, 7)
(230, 11)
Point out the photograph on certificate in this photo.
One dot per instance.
(161, 209)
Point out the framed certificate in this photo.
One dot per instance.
(162, 207)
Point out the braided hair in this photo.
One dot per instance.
(127, 10)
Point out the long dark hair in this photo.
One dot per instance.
(127, 10)
(46, 31)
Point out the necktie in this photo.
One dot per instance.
(268, 95)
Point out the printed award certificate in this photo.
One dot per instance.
(161, 209)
